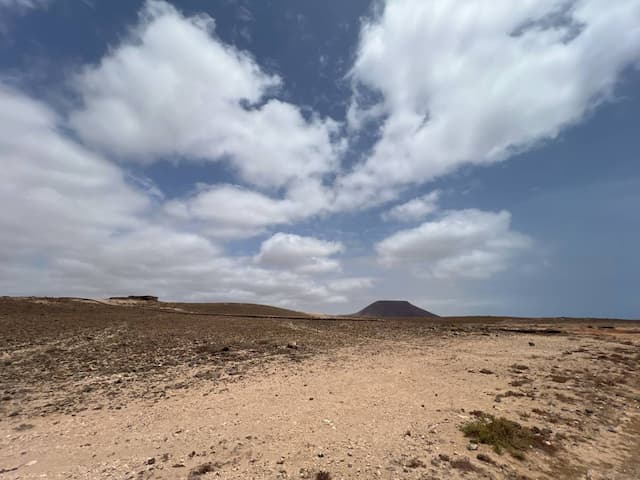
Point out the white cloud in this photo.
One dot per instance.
(347, 285)
(172, 264)
(22, 4)
(174, 90)
(73, 225)
(461, 244)
(55, 192)
(231, 211)
(286, 251)
(471, 83)
(453, 84)
(415, 209)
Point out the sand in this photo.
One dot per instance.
(388, 404)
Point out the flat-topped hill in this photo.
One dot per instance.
(239, 309)
(393, 308)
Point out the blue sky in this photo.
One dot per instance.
(473, 159)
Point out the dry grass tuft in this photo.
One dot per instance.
(504, 435)
(463, 464)
(415, 463)
(202, 469)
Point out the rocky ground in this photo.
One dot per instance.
(91, 391)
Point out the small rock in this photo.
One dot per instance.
(23, 426)
(531, 344)
(444, 457)
(292, 345)
(472, 446)
(485, 458)
(150, 461)
(201, 470)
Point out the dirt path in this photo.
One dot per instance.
(390, 410)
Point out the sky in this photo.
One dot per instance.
(471, 157)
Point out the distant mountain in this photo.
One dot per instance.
(394, 308)
(239, 309)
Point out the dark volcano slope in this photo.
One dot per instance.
(394, 308)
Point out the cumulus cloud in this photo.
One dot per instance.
(416, 209)
(173, 89)
(286, 251)
(55, 192)
(74, 225)
(452, 83)
(461, 92)
(444, 84)
(232, 211)
(228, 211)
(460, 244)
(347, 285)
(178, 265)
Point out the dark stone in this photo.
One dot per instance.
(485, 458)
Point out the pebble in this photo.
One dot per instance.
(484, 458)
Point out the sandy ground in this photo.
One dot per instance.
(388, 407)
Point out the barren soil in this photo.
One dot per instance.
(131, 391)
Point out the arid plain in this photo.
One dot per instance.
(127, 390)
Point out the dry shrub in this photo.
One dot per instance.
(504, 435)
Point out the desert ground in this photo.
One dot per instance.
(126, 390)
